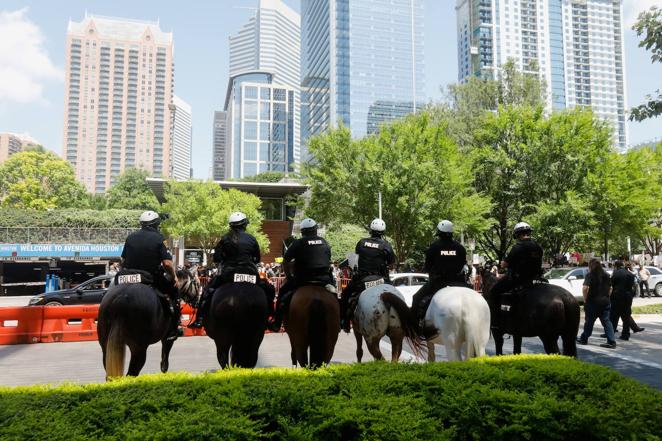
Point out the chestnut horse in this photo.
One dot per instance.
(312, 322)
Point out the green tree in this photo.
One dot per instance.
(131, 192)
(342, 239)
(39, 180)
(199, 213)
(264, 177)
(421, 174)
(649, 25)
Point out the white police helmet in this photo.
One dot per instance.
(521, 227)
(149, 218)
(445, 226)
(237, 219)
(378, 225)
(307, 224)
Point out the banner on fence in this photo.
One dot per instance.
(60, 250)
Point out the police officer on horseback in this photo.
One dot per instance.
(445, 260)
(375, 256)
(145, 253)
(312, 266)
(523, 264)
(238, 253)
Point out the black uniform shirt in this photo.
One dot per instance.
(622, 281)
(375, 254)
(445, 259)
(525, 259)
(244, 252)
(598, 288)
(312, 255)
(144, 250)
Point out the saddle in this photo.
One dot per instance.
(365, 283)
(133, 276)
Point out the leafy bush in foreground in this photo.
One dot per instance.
(524, 397)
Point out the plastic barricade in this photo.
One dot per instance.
(20, 325)
(69, 323)
(188, 315)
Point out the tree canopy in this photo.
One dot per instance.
(199, 212)
(649, 26)
(131, 192)
(39, 180)
(419, 171)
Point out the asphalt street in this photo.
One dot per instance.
(80, 362)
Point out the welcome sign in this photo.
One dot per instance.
(60, 250)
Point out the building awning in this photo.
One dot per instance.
(260, 189)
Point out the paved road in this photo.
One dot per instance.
(639, 358)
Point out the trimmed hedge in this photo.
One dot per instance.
(655, 308)
(505, 398)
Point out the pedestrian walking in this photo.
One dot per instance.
(623, 286)
(596, 292)
(644, 275)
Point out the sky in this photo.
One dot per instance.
(32, 37)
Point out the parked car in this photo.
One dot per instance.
(408, 284)
(655, 280)
(571, 279)
(89, 292)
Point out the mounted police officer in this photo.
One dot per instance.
(312, 266)
(238, 253)
(523, 264)
(145, 253)
(445, 260)
(375, 256)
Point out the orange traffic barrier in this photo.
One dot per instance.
(188, 315)
(69, 323)
(20, 325)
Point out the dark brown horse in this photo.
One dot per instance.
(236, 322)
(313, 322)
(542, 310)
(133, 315)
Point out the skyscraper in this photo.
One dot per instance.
(118, 87)
(259, 135)
(576, 46)
(270, 42)
(181, 137)
(11, 143)
(220, 132)
(362, 63)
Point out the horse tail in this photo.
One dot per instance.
(476, 326)
(115, 351)
(571, 328)
(317, 332)
(407, 320)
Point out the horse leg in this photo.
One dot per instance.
(166, 346)
(551, 344)
(138, 357)
(517, 344)
(359, 345)
(453, 349)
(294, 358)
(373, 348)
(222, 352)
(396, 347)
(431, 355)
(498, 342)
(569, 343)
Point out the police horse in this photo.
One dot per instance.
(312, 323)
(134, 315)
(381, 310)
(236, 321)
(540, 310)
(460, 318)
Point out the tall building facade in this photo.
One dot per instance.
(118, 88)
(576, 46)
(259, 134)
(11, 143)
(181, 138)
(220, 133)
(270, 42)
(362, 63)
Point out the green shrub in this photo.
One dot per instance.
(506, 398)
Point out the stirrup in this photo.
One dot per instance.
(331, 288)
(178, 333)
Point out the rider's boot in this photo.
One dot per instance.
(201, 312)
(175, 331)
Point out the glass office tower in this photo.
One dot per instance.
(357, 57)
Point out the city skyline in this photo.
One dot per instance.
(32, 102)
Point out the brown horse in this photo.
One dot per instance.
(543, 310)
(313, 322)
(133, 315)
